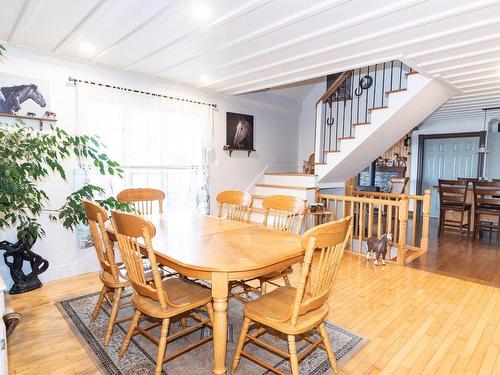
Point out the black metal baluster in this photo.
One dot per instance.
(382, 95)
(400, 75)
(330, 124)
(337, 125)
(392, 70)
(324, 132)
(357, 104)
(366, 106)
(352, 102)
(375, 85)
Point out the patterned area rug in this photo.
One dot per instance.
(141, 354)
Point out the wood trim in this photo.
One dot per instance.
(411, 73)
(361, 123)
(421, 142)
(291, 187)
(341, 138)
(289, 174)
(395, 91)
(376, 108)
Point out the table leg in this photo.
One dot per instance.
(220, 295)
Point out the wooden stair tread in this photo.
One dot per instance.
(330, 151)
(376, 108)
(411, 73)
(290, 187)
(341, 138)
(361, 123)
(394, 91)
(257, 196)
(290, 174)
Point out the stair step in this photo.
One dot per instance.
(341, 138)
(361, 123)
(376, 108)
(286, 186)
(411, 73)
(329, 151)
(394, 91)
(290, 174)
(256, 196)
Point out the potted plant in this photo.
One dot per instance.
(27, 157)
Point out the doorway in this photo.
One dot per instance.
(447, 156)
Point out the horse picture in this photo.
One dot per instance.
(19, 95)
(239, 131)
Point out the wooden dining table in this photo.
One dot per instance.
(220, 250)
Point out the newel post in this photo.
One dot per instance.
(426, 211)
(403, 224)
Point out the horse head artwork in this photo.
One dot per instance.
(377, 247)
(12, 97)
(243, 135)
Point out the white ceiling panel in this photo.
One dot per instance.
(236, 46)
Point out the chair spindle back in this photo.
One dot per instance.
(487, 194)
(234, 205)
(284, 213)
(453, 192)
(143, 199)
(134, 234)
(316, 278)
(96, 217)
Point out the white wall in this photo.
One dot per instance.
(307, 122)
(275, 139)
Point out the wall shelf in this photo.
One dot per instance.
(40, 119)
(231, 149)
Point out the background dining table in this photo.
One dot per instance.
(220, 250)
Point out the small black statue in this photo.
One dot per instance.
(14, 257)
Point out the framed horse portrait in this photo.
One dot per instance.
(239, 131)
(23, 95)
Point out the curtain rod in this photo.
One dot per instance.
(75, 80)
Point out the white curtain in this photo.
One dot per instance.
(161, 143)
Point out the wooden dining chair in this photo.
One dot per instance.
(286, 214)
(398, 185)
(143, 199)
(486, 203)
(113, 282)
(234, 205)
(299, 310)
(162, 300)
(453, 197)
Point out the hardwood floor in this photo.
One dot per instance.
(416, 322)
(477, 261)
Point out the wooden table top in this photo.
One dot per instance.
(211, 244)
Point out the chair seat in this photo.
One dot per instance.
(109, 281)
(186, 296)
(273, 310)
(276, 274)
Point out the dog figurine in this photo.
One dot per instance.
(49, 114)
(31, 114)
(378, 247)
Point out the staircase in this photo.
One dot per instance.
(362, 113)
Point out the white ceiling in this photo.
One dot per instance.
(235, 46)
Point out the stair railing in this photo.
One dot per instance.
(349, 100)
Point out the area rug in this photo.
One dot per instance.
(141, 354)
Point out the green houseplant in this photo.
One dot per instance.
(27, 157)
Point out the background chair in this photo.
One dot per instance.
(234, 205)
(159, 300)
(286, 214)
(112, 280)
(398, 185)
(144, 199)
(297, 311)
(452, 197)
(486, 202)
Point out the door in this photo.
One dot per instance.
(448, 158)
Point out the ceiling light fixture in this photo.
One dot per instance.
(87, 48)
(200, 11)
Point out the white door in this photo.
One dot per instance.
(448, 158)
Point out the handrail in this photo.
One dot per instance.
(334, 86)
